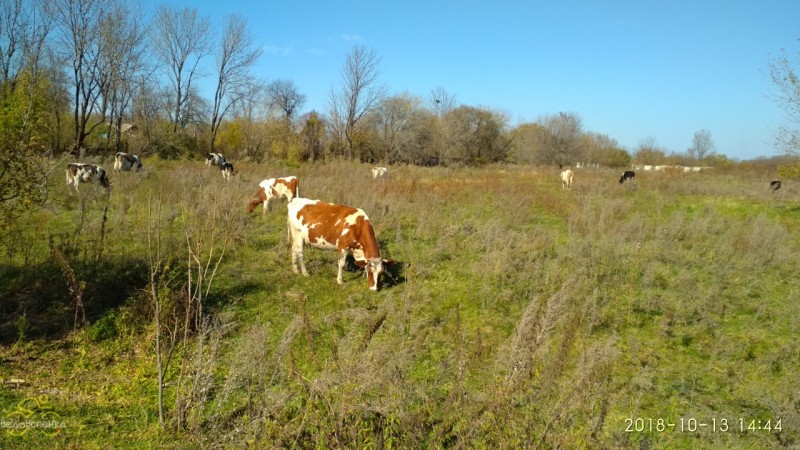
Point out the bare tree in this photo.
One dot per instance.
(702, 145)
(180, 40)
(122, 59)
(251, 113)
(786, 78)
(441, 101)
(236, 56)
(358, 94)
(23, 30)
(80, 37)
(284, 95)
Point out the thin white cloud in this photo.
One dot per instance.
(283, 50)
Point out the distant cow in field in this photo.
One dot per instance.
(268, 189)
(87, 173)
(227, 170)
(215, 159)
(126, 162)
(379, 172)
(334, 227)
(566, 179)
(775, 185)
(627, 176)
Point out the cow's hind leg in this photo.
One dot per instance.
(297, 260)
(342, 263)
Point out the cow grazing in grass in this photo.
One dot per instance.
(775, 185)
(87, 173)
(566, 179)
(214, 159)
(126, 162)
(268, 189)
(227, 170)
(334, 227)
(379, 172)
(627, 176)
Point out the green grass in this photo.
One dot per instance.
(520, 315)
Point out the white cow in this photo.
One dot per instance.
(379, 172)
(566, 179)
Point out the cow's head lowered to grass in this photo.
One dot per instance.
(270, 188)
(334, 227)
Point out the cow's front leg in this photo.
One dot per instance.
(342, 263)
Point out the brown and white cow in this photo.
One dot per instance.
(334, 227)
(566, 179)
(270, 188)
(126, 162)
(214, 159)
(379, 172)
(78, 172)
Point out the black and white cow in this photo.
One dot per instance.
(215, 159)
(627, 176)
(127, 162)
(88, 173)
(227, 170)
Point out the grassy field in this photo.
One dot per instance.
(658, 314)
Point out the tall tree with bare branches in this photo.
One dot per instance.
(122, 59)
(23, 30)
(358, 95)
(80, 37)
(284, 95)
(441, 101)
(181, 40)
(702, 146)
(237, 54)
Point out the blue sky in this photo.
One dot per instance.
(630, 69)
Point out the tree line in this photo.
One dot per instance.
(91, 75)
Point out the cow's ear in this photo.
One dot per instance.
(389, 262)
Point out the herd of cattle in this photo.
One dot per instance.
(310, 222)
(319, 224)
